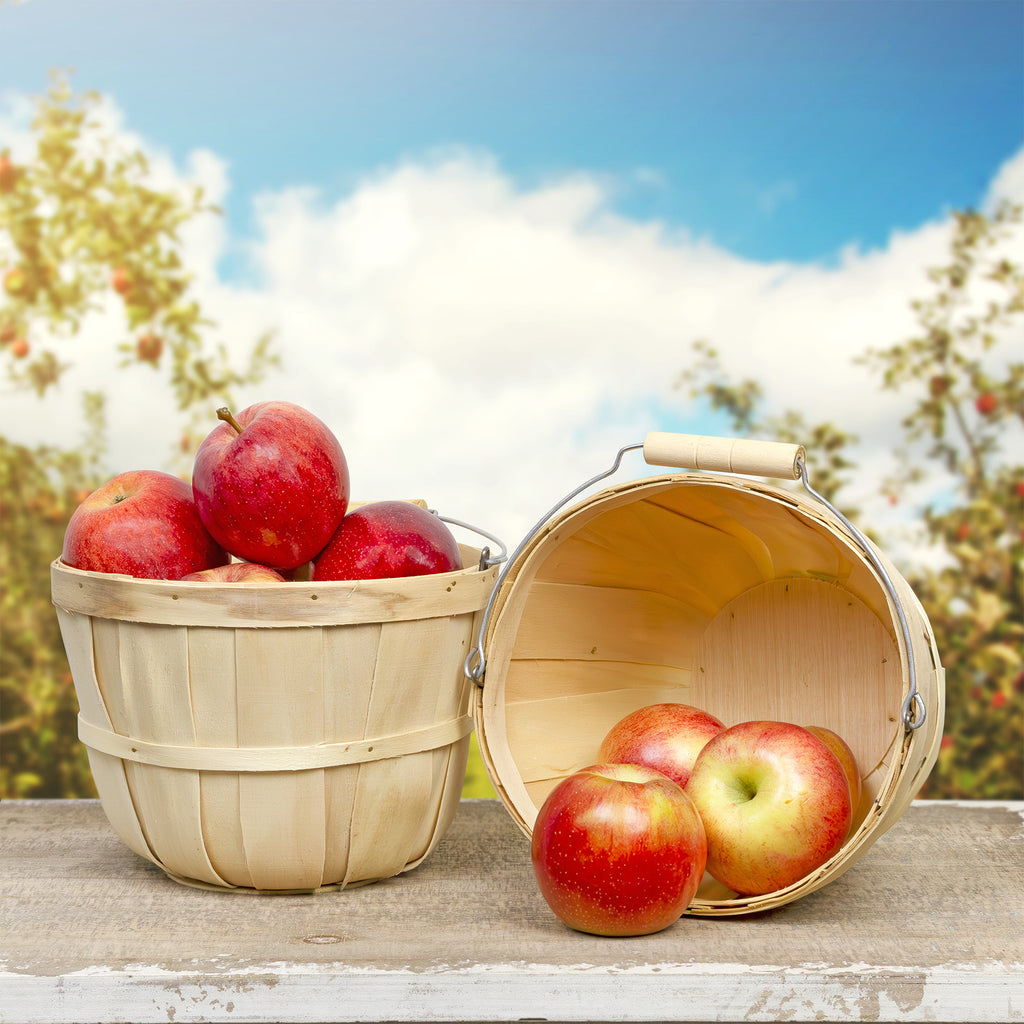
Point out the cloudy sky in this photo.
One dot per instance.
(486, 234)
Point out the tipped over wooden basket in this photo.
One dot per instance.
(744, 599)
(275, 737)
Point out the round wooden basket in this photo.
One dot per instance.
(747, 600)
(283, 738)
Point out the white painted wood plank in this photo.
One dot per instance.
(925, 927)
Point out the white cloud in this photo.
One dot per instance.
(487, 346)
(1008, 182)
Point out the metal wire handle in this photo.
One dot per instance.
(913, 711)
(486, 558)
(475, 662)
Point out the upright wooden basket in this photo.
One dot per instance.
(283, 737)
(747, 600)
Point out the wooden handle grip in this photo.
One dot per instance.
(723, 454)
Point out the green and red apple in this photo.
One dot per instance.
(618, 850)
(846, 757)
(775, 803)
(236, 572)
(665, 736)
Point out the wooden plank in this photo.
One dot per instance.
(107, 595)
(926, 926)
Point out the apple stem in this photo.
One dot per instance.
(224, 413)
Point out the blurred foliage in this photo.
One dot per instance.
(967, 389)
(477, 784)
(39, 489)
(82, 223)
(83, 219)
(964, 389)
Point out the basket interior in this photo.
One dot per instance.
(736, 598)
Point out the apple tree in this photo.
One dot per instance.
(964, 374)
(83, 224)
(959, 445)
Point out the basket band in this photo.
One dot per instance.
(273, 759)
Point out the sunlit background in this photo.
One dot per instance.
(486, 235)
(493, 242)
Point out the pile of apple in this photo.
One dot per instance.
(268, 502)
(620, 847)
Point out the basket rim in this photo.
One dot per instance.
(272, 604)
(915, 751)
(799, 503)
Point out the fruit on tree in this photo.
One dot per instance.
(15, 281)
(8, 174)
(986, 403)
(149, 348)
(120, 281)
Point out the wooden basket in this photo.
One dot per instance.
(275, 737)
(722, 592)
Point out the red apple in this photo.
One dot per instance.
(986, 403)
(846, 757)
(664, 736)
(141, 523)
(775, 803)
(272, 485)
(8, 174)
(385, 539)
(20, 348)
(236, 572)
(121, 281)
(149, 348)
(618, 849)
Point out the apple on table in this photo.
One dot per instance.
(618, 849)
(140, 523)
(271, 484)
(388, 539)
(666, 736)
(775, 803)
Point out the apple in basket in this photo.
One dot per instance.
(236, 572)
(846, 756)
(664, 736)
(775, 803)
(386, 539)
(141, 523)
(271, 484)
(618, 849)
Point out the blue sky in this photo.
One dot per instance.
(485, 234)
(779, 130)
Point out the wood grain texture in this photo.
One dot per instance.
(926, 927)
(740, 598)
(275, 737)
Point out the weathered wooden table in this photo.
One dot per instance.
(927, 926)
